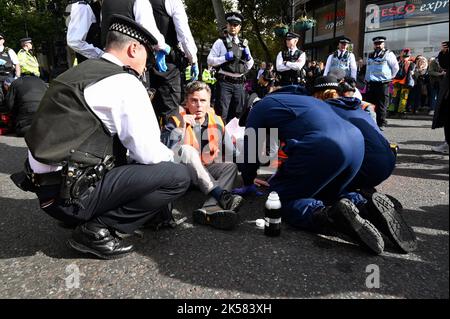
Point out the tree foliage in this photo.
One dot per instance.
(43, 20)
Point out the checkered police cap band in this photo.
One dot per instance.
(323, 85)
(129, 31)
(132, 29)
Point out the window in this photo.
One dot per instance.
(425, 40)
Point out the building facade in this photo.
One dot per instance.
(417, 24)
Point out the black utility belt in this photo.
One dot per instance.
(231, 79)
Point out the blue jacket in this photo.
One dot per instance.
(379, 160)
(315, 136)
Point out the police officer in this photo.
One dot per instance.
(172, 22)
(324, 152)
(290, 62)
(382, 66)
(22, 100)
(83, 29)
(9, 62)
(140, 11)
(28, 62)
(231, 55)
(88, 119)
(341, 63)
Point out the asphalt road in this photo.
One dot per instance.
(200, 262)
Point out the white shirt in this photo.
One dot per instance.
(216, 56)
(352, 60)
(296, 66)
(175, 9)
(123, 105)
(81, 19)
(143, 14)
(12, 55)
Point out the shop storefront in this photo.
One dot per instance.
(322, 39)
(418, 24)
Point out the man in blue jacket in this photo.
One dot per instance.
(325, 152)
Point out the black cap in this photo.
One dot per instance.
(234, 17)
(291, 35)
(2, 36)
(345, 40)
(25, 40)
(445, 44)
(323, 83)
(379, 39)
(131, 28)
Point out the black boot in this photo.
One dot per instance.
(229, 201)
(95, 239)
(383, 213)
(344, 217)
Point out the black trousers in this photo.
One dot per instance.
(378, 94)
(168, 91)
(229, 100)
(126, 198)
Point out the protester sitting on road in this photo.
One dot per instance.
(196, 134)
(324, 153)
(22, 100)
(378, 164)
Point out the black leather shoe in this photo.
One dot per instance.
(344, 217)
(229, 201)
(216, 217)
(383, 213)
(93, 239)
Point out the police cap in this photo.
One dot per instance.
(379, 39)
(131, 28)
(234, 17)
(345, 40)
(2, 36)
(291, 35)
(25, 40)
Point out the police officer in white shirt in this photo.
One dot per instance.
(231, 55)
(172, 22)
(341, 63)
(90, 116)
(382, 66)
(83, 29)
(290, 62)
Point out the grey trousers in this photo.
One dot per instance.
(206, 178)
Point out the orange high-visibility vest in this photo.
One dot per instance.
(216, 130)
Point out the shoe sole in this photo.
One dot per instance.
(363, 228)
(392, 224)
(86, 250)
(224, 219)
(238, 204)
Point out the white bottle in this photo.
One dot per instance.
(272, 215)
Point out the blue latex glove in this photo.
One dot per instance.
(247, 190)
(229, 56)
(160, 57)
(194, 72)
(2, 62)
(246, 54)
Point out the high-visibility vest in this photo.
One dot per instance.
(216, 130)
(206, 76)
(28, 62)
(187, 73)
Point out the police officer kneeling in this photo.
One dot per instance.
(77, 143)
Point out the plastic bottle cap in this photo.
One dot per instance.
(260, 223)
(273, 196)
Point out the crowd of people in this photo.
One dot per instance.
(123, 134)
